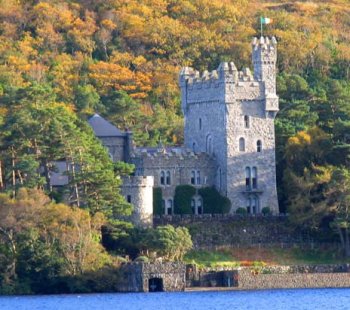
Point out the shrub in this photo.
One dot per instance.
(266, 211)
(182, 199)
(241, 211)
(142, 259)
(157, 201)
(213, 201)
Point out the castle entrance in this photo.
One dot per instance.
(155, 285)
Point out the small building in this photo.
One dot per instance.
(153, 277)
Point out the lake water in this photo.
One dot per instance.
(330, 299)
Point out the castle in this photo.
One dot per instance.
(229, 140)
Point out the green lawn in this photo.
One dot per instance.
(252, 256)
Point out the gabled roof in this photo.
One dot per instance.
(58, 177)
(103, 128)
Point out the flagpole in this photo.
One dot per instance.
(261, 26)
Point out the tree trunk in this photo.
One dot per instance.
(47, 175)
(347, 244)
(1, 176)
(13, 173)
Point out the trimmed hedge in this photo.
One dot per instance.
(242, 211)
(213, 201)
(157, 201)
(182, 199)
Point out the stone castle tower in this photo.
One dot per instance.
(230, 114)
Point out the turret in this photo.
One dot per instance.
(264, 56)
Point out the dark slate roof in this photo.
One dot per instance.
(59, 178)
(103, 128)
(154, 150)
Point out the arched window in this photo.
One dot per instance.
(258, 146)
(194, 146)
(199, 206)
(254, 205)
(241, 145)
(193, 177)
(255, 177)
(162, 177)
(168, 178)
(198, 177)
(247, 178)
(169, 207)
(248, 206)
(209, 144)
(193, 206)
(246, 121)
(200, 124)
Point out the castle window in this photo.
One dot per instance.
(198, 177)
(193, 205)
(241, 145)
(209, 145)
(258, 146)
(246, 121)
(248, 206)
(169, 207)
(193, 177)
(255, 177)
(199, 206)
(128, 198)
(200, 124)
(162, 178)
(194, 147)
(168, 178)
(247, 178)
(254, 205)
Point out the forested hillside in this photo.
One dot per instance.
(63, 60)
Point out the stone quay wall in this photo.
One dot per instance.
(302, 276)
(250, 280)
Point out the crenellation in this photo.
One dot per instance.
(241, 95)
(229, 139)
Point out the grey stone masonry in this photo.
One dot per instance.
(229, 114)
(137, 277)
(138, 190)
(172, 167)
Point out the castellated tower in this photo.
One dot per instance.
(138, 190)
(230, 115)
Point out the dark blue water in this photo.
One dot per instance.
(258, 300)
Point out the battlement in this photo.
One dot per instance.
(193, 78)
(264, 43)
(169, 153)
(138, 181)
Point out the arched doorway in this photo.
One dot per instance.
(155, 285)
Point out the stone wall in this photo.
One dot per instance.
(248, 279)
(305, 276)
(215, 106)
(212, 231)
(173, 275)
(138, 190)
(179, 163)
(136, 276)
